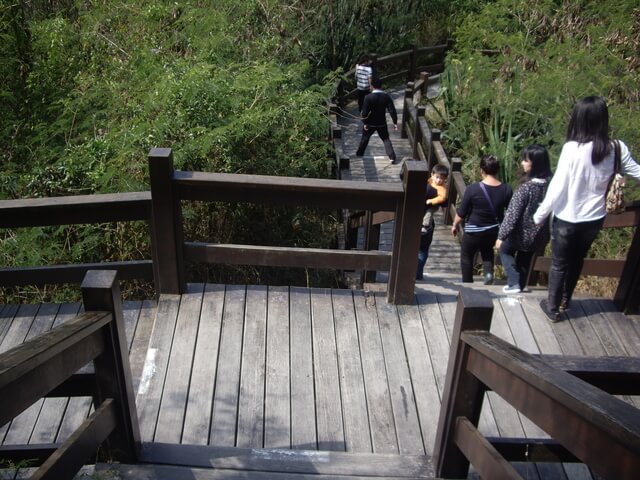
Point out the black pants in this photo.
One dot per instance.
(570, 243)
(383, 132)
(473, 243)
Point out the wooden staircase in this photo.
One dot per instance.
(163, 462)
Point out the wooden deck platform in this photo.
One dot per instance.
(246, 374)
(312, 369)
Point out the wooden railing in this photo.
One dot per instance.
(398, 67)
(81, 209)
(47, 366)
(169, 252)
(169, 188)
(570, 398)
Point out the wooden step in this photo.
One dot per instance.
(170, 472)
(160, 461)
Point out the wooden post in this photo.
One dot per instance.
(166, 218)
(100, 292)
(627, 296)
(406, 234)
(452, 196)
(406, 113)
(371, 242)
(413, 57)
(463, 393)
(424, 76)
(417, 132)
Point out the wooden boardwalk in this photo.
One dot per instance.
(313, 369)
(325, 372)
(374, 166)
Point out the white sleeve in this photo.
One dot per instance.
(558, 185)
(629, 165)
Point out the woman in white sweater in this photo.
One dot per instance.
(576, 197)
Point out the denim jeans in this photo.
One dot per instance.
(516, 264)
(470, 245)
(570, 243)
(423, 252)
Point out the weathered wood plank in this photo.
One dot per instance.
(436, 335)
(421, 370)
(402, 396)
(382, 425)
(337, 464)
(352, 392)
(176, 384)
(225, 402)
(6, 318)
(277, 401)
(155, 366)
(140, 341)
(303, 413)
(327, 387)
(252, 375)
(197, 421)
(487, 423)
(48, 423)
(507, 418)
(541, 327)
(22, 426)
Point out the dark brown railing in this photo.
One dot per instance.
(169, 188)
(398, 67)
(48, 366)
(570, 398)
(81, 209)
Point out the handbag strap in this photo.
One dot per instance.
(616, 157)
(486, 195)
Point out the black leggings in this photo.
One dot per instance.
(471, 244)
(570, 243)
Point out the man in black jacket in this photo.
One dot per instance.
(374, 119)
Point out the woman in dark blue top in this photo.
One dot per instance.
(482, 209)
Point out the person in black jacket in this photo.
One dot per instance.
(374, 110)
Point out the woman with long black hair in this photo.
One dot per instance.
(576, 197)
(519, 237)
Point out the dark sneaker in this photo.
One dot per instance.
(564, 305)
(554, 316)
(488, 278)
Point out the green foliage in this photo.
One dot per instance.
(89, 90)
(519, 67)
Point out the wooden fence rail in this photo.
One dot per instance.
(582, 420)
(45, 366)
(397, 67)
(72, 210)
(169, 188)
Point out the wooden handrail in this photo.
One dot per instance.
(580, 417)
(71, 210)
(410, 66)
(169, 188)
(30, 371)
